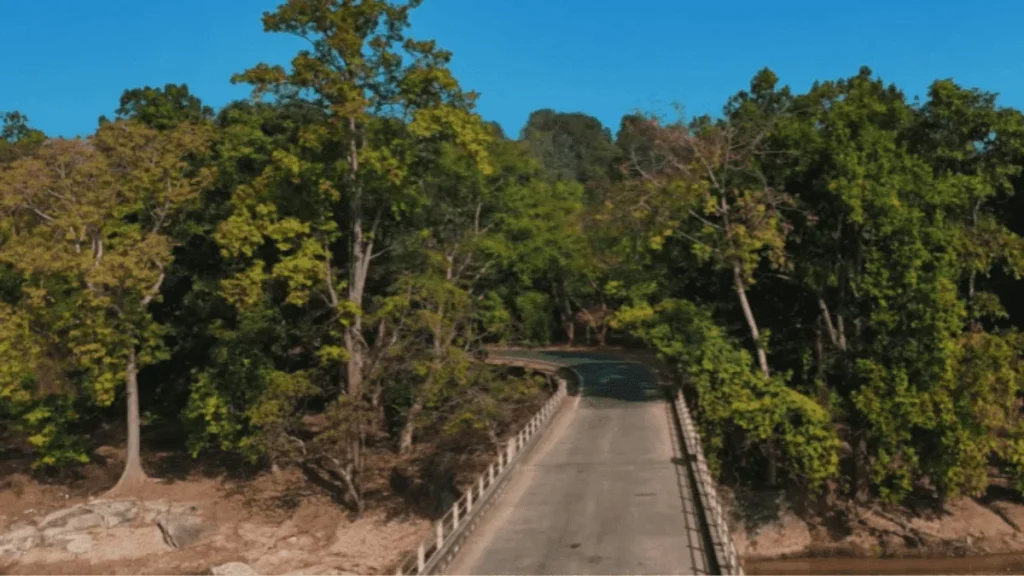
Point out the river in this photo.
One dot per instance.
(1012, 563)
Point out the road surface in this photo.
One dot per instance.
(601, 493)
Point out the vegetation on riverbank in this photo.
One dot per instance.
(305, 278)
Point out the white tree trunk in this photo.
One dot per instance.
(133, 475)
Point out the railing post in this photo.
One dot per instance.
(421, 558)
(455, 516)
(481, 487)
(469, 500)
(440, 533)
(490, 471)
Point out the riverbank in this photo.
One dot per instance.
(971, 535)
(1012, 563)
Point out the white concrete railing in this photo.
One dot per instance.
(438, 550)
(721, 537)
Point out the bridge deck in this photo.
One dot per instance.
(601, 493)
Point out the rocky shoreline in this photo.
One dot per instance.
(967, 527)
(161, 536)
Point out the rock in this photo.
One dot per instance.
(64, 516)
(115, 512)
(233, 569)
(19, 532)
(180, 530)
(152, 510)
(80, 521)
(19, 540)
(79, 544)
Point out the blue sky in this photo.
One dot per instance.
(65, 62)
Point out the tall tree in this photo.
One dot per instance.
(91, 214)
(361, 67)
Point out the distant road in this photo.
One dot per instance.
(600, 493)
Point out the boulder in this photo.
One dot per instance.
(115, 512)
(233, 569)
(180, 530)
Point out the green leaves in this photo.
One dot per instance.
(732, 394)
(88, 236)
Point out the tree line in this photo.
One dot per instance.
(308, 275)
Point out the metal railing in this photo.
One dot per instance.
(440, 548)
(721, 538)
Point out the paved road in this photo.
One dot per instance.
(600, 493)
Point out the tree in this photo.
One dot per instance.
(355, 72)
(572, 146)
(17, 138)
(91, 215)
(162, 108)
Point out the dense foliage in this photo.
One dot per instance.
(300, 276)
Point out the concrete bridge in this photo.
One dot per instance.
(609, 480)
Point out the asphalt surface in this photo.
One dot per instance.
(601, 492)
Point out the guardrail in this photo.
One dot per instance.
(437, 551)
(721, 538)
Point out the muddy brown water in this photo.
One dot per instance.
(1012, 563)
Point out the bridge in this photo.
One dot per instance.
(608, 479)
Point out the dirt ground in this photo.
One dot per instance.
(765, 527)
(276, 523)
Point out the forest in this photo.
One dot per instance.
(307, 278)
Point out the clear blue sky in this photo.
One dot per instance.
(66, 62)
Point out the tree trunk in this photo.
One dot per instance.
(568, 322)
(405, 439)
(748, 313)
(770, 450)
(820, 378)
(361, 252)
(354, 366)
(133, 475)
(861, 474)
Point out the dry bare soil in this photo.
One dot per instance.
(274, 523)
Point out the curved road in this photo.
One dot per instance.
(601, 492)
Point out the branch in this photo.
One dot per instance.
(704, 220)
(155, 289)
(330, 279)
(46, 217)
(832, 335)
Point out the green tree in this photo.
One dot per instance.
(91, 215)
(162, 108)
(361, 67)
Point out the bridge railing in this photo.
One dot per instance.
(450, 531)
(721, 537)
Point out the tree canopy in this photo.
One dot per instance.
(307, 276)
